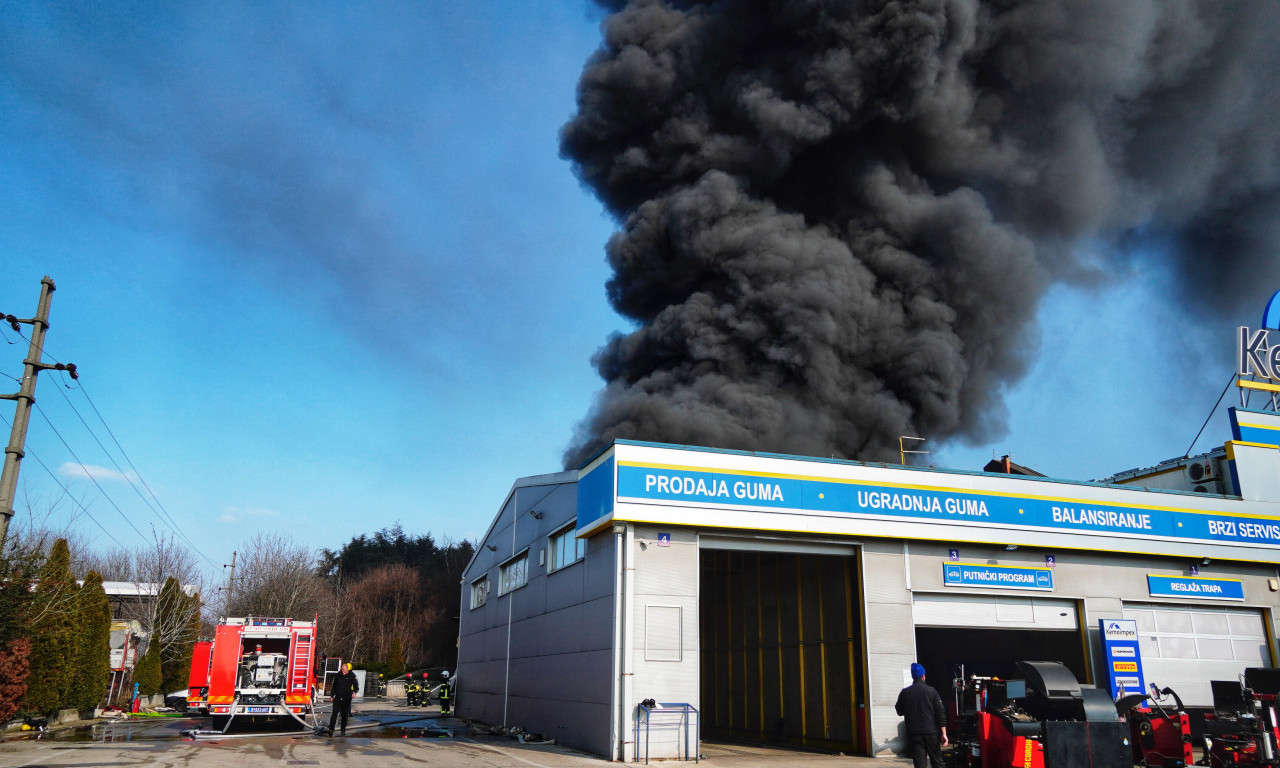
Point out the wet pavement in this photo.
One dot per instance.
(379, 734)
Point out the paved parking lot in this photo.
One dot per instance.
(380, 735)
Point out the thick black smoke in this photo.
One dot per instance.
(838, 218)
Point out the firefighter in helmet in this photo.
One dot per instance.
(424, 699)
(446, 695)
(411, 690)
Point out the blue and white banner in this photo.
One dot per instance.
(1195, 587)
(996, 576)
(945, 505)
(1124, 660)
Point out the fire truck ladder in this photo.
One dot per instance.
(300, 665)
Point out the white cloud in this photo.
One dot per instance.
(91, 472)
(236, 514)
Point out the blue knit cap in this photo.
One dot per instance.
(917, 671)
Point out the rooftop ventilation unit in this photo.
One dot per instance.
(1202, 471)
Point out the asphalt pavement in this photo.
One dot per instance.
(380, 734)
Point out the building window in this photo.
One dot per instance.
(480, 591)
(514, 573)
(566, 548)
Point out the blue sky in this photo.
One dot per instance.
(325, 271)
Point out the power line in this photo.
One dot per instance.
(1210, 416)
(67, 491)
(89, 474)
(167, 519)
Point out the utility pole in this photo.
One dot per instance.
(231, 581)
(25, 397)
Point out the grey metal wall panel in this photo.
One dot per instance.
(485, 677)
(566, 586)
(573, 723)
(884, 576)
(484, 707)
(543, 653)
(580, 676)
(597, 618)
(562, 631)
(600, 565)
(530, 600)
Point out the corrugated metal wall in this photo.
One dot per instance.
(782, 649)
(540, 657)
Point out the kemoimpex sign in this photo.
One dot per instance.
(1255, 356)
(1124, 660)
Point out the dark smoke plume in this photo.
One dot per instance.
(838, 218)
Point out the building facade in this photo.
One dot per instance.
(783, 598)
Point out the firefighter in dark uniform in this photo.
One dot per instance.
(926, 720)
(446, 696)
(424, 699)
(411, 690)
(345, 687)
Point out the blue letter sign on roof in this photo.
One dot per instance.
(1271, 315)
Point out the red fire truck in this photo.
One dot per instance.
(261, 670)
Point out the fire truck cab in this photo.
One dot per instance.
(261, 669)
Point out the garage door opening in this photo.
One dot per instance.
(781, 639)
(989, 635)
(993, 652)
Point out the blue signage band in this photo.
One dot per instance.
(996, 576)
(945, 505)
(1195, 587)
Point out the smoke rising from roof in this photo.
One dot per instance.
(837, 219)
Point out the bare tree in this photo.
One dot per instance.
(386, 604)
(275, 577)
(166, 558)
(115, 564)
(341, 633)
(32, 534)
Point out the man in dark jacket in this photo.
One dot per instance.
(925, 717)
(345, 686)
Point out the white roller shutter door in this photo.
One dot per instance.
(993, 612)
(1184, 647)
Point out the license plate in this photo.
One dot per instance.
(260, 710)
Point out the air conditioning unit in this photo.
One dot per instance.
(1212, 486)
(1201, 471)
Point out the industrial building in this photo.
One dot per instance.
(783, 598)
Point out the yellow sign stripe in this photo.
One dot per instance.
(1259, 426)
(1006, 567)
(1230, 445)
(1244, 384)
